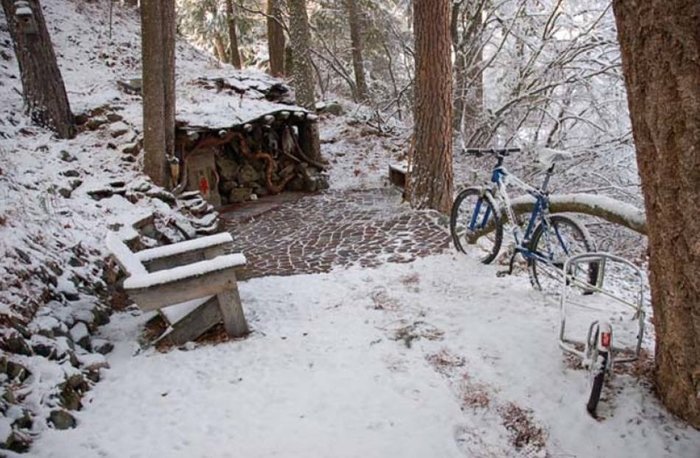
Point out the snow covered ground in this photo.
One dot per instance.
(434, 358)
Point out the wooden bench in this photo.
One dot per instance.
(192, 283)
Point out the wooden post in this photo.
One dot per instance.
(232, 312)
(230, 306)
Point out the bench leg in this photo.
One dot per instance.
(199, 321)
(232, 312)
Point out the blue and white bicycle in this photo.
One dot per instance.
(479, 215)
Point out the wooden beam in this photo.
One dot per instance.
(229, 303)
(181, 290)
(194, 324)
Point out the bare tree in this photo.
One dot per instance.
(158, 51)
(467, 29)
(431, 174)
(234, 54)
(358, 63)
(275, 37)
(661, 62)
(303, 73)
(44, 92)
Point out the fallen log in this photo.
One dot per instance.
(603, 207)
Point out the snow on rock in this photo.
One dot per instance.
(5, 429)
(79, 332)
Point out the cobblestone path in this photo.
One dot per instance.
(313, 234)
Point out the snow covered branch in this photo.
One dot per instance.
(606, 208)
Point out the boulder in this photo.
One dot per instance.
(239, 195)
(60, 419)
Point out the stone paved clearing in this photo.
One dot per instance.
(313, 234)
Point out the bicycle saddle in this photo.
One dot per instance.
(548, 156)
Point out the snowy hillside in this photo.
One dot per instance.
(58, 197)
(435, 357)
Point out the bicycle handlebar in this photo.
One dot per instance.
(502, 152)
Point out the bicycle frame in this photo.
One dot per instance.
(501, 179)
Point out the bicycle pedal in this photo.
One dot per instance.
(502, 273)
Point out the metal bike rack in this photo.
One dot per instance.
(601, 259)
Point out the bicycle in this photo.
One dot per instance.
(479, 213)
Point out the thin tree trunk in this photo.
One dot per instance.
(43, 89)
(234, 54)
(220, 48)
(169, 31)
(158, 51)
(358, 63)
(431, 175)
(660, 42)
(275, 37)
(300, 39)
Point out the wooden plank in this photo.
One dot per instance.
(182, 290)
(196, 323)
(397, 175)
(189, 257)
(232, 312)
(176, 312)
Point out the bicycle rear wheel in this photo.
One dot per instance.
(554, 240)
(474, 221)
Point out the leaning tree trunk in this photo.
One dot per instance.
(234, 54)
(358, 63)
(275, 37)
(431, 174)
(660, 41)
(300, 39)
(44, 92)
(158, 51)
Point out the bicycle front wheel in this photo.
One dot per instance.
(598, 380)
(474, 222)
(555, 239)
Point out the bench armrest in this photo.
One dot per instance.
(124, 256)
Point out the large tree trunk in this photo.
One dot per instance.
(158, 51)
(430, 183)
(44, 91)
(275, 37)
(358, 63)
(234, 54)
(660, 42)
(300, 39)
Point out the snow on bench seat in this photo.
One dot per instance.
(183, 247)
(175, 274)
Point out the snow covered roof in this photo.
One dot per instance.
(225, 102)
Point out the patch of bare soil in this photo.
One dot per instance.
(417, 330)
(381, 300)
(524, 431)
